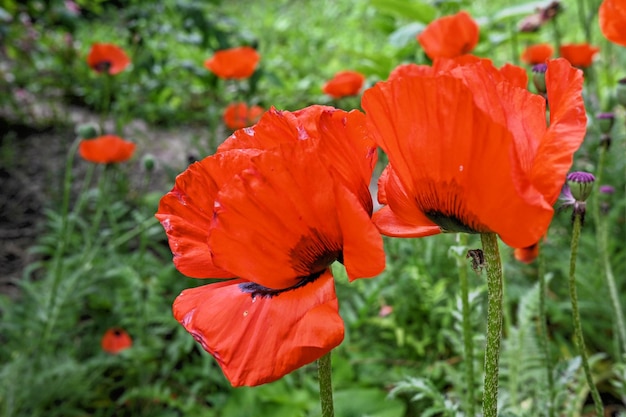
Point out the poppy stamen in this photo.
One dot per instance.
(103, 66)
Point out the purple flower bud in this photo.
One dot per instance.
(539, 77)
(580, 184)
(605, 121)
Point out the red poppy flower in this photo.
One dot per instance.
(115, 340)
(579, 55)
(537, 54)
(237, 63)
(449, 36)
(344, 83)
(275, 214)
(106, 149)
(469, 150)
(106, 57)
(239, 115)
(528, 254)
(612, 18)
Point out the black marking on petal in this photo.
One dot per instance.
(444, 205)
(256, 290)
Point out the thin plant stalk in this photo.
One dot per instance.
(545, 341)
(602, 235)
(578, 330)
(494, 322)
(468, 340)
(324, 370)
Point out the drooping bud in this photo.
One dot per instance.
(539, 77)
(580, 184)
(88, 130)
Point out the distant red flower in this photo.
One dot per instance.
(612, 18)
(274, 207)
(481, 159)
(236, 63)
(239, 115)
(449, 36)
(106, 57)
(115, 340)
(344, 83)
(528, 254)
(579, 55)
(537, 54)
(106, 149)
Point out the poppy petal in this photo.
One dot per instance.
(187, 210)
(106, 149)
(259, 339)
(363, 253)
(568, 125)
(273, 220)
(449, 36)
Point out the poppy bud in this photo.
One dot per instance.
(620, 92)
(148, 162)
(605, 121)
(605, 140)
(539, 77)
(580, 184)
(88, 130)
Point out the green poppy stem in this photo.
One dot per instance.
(578, 330)
(494, 322)
(545, 342)
(468, 340)
(324, 370)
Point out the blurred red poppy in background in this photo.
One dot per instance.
(527, 254)
(106, 149)
(344, 83)
(239, 115)
(115, 340)
(449, 36)
(481, 159)
(108, 58)
(579, 55)
(537, 54)
(612, 19)
(235, 63)
(271, 210)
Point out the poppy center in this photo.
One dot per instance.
(449, 223)
(444, 205)
(103, 66)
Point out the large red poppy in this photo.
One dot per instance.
(537, 54)
(116, 340)
(344, 83)
(469, 150)
(106, 149)
(275, 214)
(236, 63)
(449, 36)
(612, 19)
(109, 58)
(580, 54)
(240, 115)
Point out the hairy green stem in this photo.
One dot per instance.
(468, 339)
(578, 330)
(494, 322)
(545, 341)
(326, 385)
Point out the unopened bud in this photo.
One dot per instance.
(539, 77)
(605, 121)
(148, 162)
(88, 130)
